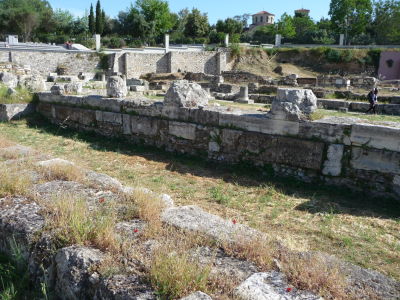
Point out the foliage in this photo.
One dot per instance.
(285, 26)
(196, 24)
(230, 26)
(25, 17)
(350, 16)
(92, 27)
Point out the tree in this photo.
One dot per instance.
(350, 17)
(132, 23)
(230, 26)
(25, 17)
(197, 24)
(285, 26)
(99, 18)
(64, 22)
(92, 26)
(304, 27)
(386, 26)
(264, 34)
(157, 16)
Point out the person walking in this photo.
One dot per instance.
(373, 100)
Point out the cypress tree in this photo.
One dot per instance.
(98, 17)
(91, 20)
(103, 21)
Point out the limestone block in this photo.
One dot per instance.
(293, 104)
(333, 164)
(197, 296)
(270, 286)
(259, 123)
(34, 83)
(57, 90)
(187, 94)
(73, 271)
(98, 102)
(9, 79)
(116, 87)
(125, 287)
(14, 111)
(375, 160)
(144, 125)
(21, 219)
(194, 218)
(73, 87)
(331, 133)
(183, 130)
(109, 117)
(375, 136)
(126, 124)
(137, 88)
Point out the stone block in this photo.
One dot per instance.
(259, 123)
(333, 164)
(109, 117)
(197, 296)
(270, 286)
(375, 160)
(186, 94)
(100, 103)
(183, 130)
(144, 125)
(299, 153)
(15, 111)
(126, 124)
(332, 133)
(374, 136)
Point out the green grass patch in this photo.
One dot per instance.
(21, 95)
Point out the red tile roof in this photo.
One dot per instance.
(264, 13)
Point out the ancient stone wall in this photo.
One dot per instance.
(137, 64)
(362, 156)
(201, 62)
(142, 63)
(46, 62)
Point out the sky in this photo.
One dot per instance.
(216, 9)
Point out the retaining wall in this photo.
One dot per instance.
(46, 62)
(362, 156)
(133, 65)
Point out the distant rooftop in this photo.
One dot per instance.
(302, 11)
(264, 13)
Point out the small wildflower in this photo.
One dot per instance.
(135, 230)
(234, 221)
(288, 290)
(102, 200)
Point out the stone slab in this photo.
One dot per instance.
(375, 160)
(333, 164)
(183, 130)
(379, 137)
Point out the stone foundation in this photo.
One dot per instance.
(332, 151)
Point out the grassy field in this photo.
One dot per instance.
(304, 217)
(21, 95)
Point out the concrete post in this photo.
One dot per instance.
(98, 42)
(227, 40)
(278, 40)
(341, 40)
(103, 77)
(166, 38)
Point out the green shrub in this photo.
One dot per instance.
(347, 56)
(373, 57)
(235, 50)
(332, 55)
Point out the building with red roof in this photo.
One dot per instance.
(262, 18)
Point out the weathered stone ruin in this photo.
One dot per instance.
(332, 150)
(116, 87)
(185, 94)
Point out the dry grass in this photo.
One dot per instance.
(13, 183)
(59, 171)
(175, 274)
(5, 143)
(72, 222)
(258, 250)
(314, 273)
